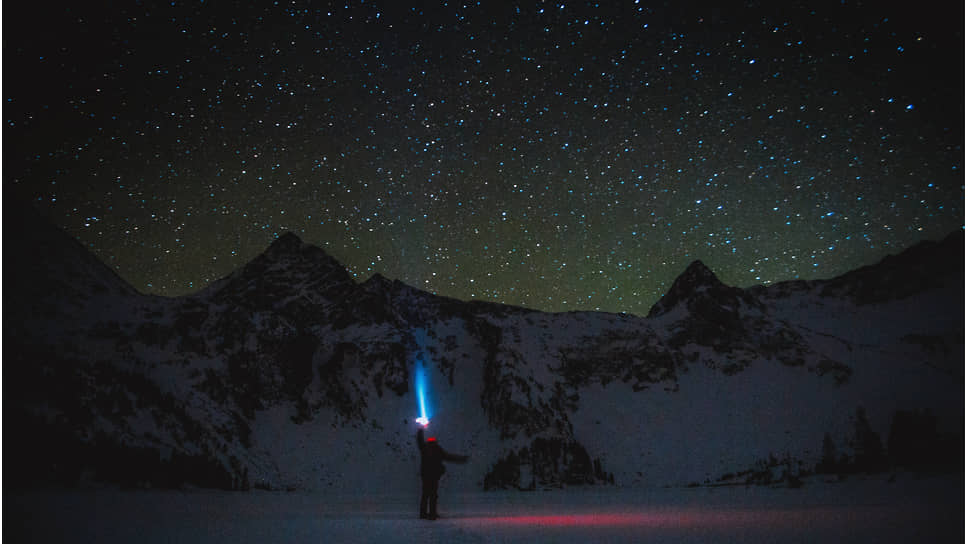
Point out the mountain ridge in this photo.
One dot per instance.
(948, 250)
(235, 385)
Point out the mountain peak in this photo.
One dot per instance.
(288, 248)
(697, 278)
(288, 265)
(287, 243)
(698, 273)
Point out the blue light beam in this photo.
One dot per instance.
(420, 385)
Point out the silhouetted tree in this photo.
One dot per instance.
(829, 463)
(914, 442)
(868, 451)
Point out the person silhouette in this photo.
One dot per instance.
(432, 457)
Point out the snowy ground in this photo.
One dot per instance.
(911, 509)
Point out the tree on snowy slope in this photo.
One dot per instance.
(868, 451)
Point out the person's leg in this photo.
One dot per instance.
(425, 498)
(433, 498)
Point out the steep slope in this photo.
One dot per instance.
(700, 313)
(291, 278)
(50, 278)
(288, 374)
(928, 265)
(701, 292)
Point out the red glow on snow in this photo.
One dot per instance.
(717, 519)
(572, 520)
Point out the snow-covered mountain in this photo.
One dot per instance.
(289, 374)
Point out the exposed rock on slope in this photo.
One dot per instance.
(287, 373)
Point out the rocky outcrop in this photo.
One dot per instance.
(180, 387)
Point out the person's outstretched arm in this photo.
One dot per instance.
(454, 458)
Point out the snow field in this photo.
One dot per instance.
(909, 509)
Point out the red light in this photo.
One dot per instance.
(431, 439)
(572, 520)
(714, 519)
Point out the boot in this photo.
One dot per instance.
(433, 508)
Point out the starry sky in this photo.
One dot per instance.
(554, 155)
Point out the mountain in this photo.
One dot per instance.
(288, 374)
(54, 280)
(699, 290)
(928, 265)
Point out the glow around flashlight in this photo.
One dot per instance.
(420, 384)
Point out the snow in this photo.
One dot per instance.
(703, 426)
(712, 425)
(695, 426)
(859, 510)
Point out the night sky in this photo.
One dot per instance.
(555, 155)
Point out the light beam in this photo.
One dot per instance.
(420, 385)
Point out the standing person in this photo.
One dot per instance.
(432, 458)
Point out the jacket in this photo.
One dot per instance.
(432, 458)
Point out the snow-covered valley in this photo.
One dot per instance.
(859, 510)
(289, 376)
